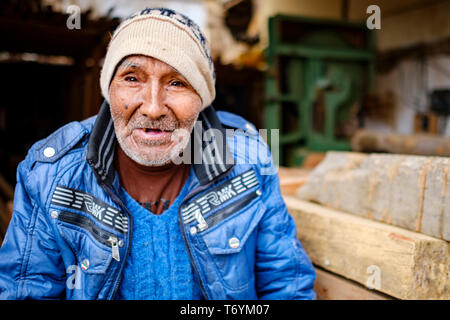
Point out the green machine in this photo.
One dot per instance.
(319, 72)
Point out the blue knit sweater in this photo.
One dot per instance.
(158, 267)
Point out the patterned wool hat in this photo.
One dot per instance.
(167, 36)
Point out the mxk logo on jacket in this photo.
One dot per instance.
(102, 212)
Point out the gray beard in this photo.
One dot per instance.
(159, 160)
(180, 133)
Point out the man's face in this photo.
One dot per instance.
(151, 103)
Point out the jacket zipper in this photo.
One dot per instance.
(117, 200)
(214, 219)
(114, 248)
(106, 238)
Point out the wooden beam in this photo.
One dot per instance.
(329, 286)
(291, 185)
(395, 261)
(426, 144)
(407, 191)
(291, 179)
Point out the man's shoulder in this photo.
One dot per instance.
(58, 144)
(246, 143)
(235, 121)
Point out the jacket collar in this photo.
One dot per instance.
(213, 152)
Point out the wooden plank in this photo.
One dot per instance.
(415, 144)
(406, 191)
(395, 261)
(291, 185)
(331, 287)
(291, 179)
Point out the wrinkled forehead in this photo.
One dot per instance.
(145, 63)
(142, 61)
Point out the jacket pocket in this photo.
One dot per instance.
(92, 251)
(90, 243)
(231, 240)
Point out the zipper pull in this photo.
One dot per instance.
(201, 225)
(114, 248)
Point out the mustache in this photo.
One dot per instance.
(165, 124)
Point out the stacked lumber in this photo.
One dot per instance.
(406, 191)
(379, 227)
(391, 260)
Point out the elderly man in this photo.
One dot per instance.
(125, 205)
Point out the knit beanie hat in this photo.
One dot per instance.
(168, 36)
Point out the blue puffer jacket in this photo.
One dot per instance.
(70, 231)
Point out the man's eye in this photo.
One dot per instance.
(178, 83)
(131, 78)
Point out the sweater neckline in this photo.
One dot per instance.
(137, 209)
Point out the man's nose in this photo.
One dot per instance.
(153, 105)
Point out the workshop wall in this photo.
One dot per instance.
(405, 23)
